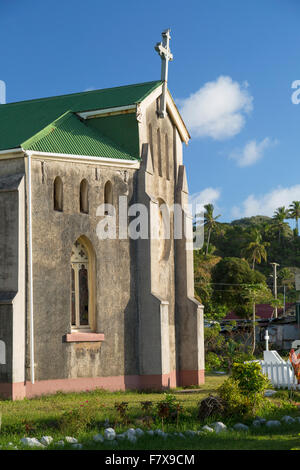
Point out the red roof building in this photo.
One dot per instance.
(263, 312)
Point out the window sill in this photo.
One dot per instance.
(84, 337)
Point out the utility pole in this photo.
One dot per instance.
(275, 284)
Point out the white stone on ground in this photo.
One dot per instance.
(139, 432)
(98, 438)
(109, 434)
(288, 420)
(60, 443)
(71, 440)
(130, 432)
(46, 440)
(31, 442)
(207, 428)
(219, 427)
(132, 438)
(272, 424)
(240, 427)
(150, 433)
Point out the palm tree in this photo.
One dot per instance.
(255, 251)
(210, 221)
(256, 294)
(294, 213)
(275, 304)
(279, 220)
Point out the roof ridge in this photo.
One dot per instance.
(79, 93)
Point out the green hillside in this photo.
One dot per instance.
(235, 252)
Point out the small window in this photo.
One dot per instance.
(108, 198)
(84, 197)
(58, 194)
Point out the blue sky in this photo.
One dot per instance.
(234, 64)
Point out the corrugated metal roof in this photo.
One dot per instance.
(21, 120)
(70, 135)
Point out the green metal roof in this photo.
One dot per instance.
(71, 135)
(21, 120)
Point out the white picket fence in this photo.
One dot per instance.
(281, 375)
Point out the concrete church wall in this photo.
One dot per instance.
(54, 234)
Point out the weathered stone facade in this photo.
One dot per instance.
(146, 327)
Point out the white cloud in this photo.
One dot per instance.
(252, 151)
(266, 204)
(217, 109)
(206, 196)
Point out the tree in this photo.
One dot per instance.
(255, 250)
(231, 277)
(279, 220)
(294, 213)
(275, 303)
(210, 221)
(256, 294)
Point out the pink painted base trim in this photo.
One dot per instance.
(85, 337)
(14, 391)
(18, 391)
(191, 377)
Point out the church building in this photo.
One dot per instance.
(80, 311)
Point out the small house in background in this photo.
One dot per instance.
(282, 330)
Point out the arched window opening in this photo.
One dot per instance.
(150, 139)
(81, 288)
(164, 231)
(159, 153)
(108, 198)
(84, 197)
(58, 194)
(167, 157)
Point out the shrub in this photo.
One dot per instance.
(235, 403)
(212, 361)
(169, 409)
(250, 378)
(243, 392)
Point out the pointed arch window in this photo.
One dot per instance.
(84, 197)
(58, 194)
(81, 288)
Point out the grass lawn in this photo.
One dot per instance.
(43, 416)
